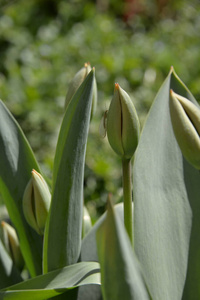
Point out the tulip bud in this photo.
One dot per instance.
(75, 84)
(11, 243)
(36, 202)
(122, 124)
(185, 118)
(87, 224)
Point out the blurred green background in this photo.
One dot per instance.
(43, 43)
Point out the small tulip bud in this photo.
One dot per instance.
(87, 224)
(75, 84)
(11, 243)
(123, 126)
(36, 202)
(185, 118)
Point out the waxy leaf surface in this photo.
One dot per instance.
(167, 206)
(16, 164)
(121, 275)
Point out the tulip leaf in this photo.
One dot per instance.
(166, 194)
(8, 272)
(89, 253)
(16, 164)
(55, 282)
(64, 227)
(121, 275)
(191, 180)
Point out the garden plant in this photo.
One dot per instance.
(148, 246)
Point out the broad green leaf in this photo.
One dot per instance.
(192, 288)
(8, 272)
(191, 180)
(121, 275)
(16, 164)
(64, 227)
(54, 283)
(89, 253)
(164, 185)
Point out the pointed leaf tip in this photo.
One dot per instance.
(109, 203)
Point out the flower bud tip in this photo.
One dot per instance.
(116, 86)
(86, 64)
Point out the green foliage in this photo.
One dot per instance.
(166, 213)
(165, 202)
(44, 43)
(121, 275)
(16, 159)
(55, 282)
(73, 260)
(9, 273)
(67, 203)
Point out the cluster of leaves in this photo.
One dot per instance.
(163, 264)
(38, 38)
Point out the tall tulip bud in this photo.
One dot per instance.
(185, 117)
(75, 84)
(123, 126)
(11, 243)
(36, 202)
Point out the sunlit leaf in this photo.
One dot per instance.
(167, 206)
(64, 230)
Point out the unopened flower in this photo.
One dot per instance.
(11, 243)
(75, 84)
(123, 126)
(185, 118)
(87, 224)
(36, 202)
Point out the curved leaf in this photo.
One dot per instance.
(16, 164)
(64, 227)
(55, 282)
(163, 215)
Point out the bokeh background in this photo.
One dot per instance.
(43, 43)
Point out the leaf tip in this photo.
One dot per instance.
(109, 203)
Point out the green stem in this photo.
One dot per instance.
(127, 190)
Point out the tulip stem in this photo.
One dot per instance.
(127, 191)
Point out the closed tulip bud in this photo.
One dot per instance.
(75, 84)
(185, 118)
(123, 126)
(87, 224)
(36, 202)
(11, 243)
